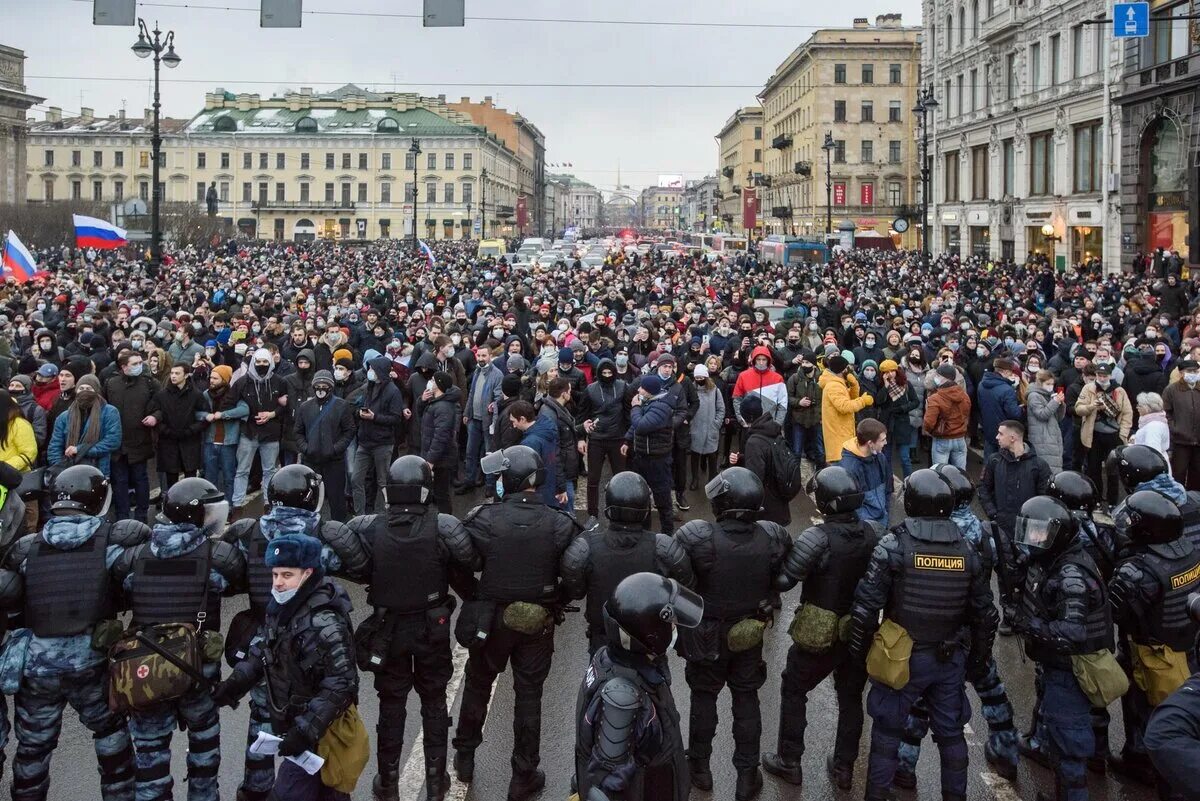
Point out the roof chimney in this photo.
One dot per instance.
(487, 100)
(54, 114)
(86, 114)
(861, 22)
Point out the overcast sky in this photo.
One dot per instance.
(649, 131)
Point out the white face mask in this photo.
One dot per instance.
(456, 338)
(283, 596)
(1191, 378)
(498, 333)
(340, 373)
(372, 376)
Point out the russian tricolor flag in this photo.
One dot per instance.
(19, 263)
(428, 251)
(93, 233)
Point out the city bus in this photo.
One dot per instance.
(729, 245)
(777, 249)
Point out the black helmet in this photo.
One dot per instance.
(736, 492)
(80, 490)
(835, 491)
(519, 467)
(1074, 489)
(627, 498)
(926, 494)
(409, 481)
(196, 501)
(1045, 526)
(296, 486)
(1153, 518)
(643, 611)
(960, 485)
(1137, 464)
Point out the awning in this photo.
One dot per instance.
(385, 222)
(430, 221)
(447, 222)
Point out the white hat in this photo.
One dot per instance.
(700, 371)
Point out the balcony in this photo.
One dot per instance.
(908, 211)
(1162, 75)
(1003, 22)
(781, 212)
(302, 205)
(727, 172)
(781, 141)
(802, 168)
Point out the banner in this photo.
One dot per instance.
(868, 194)
(522, 212)
(839, 194)
(749, 209)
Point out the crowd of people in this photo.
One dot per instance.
(362, 388)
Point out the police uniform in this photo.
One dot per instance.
(68, 590)
(167, 580)
(1173, 739)
(736, 563)
(412, 550)
(598, 559)
(829, 559)
(926, 578)
(12, 590)
(520, 541)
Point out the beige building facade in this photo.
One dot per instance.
(661, 208)
(339, 165)
(740, 148)
(859, 85)
(14, 131)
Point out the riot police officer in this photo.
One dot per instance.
(1064, 614)
(829, 558)
(1001, 748)
(933, 588)
(737, 562)
(1149, 595)
(1173, 734)
(601, 557)
(1143, 468)
(297, 493)
(628, 688)
(178, 577)
(406, 642)
(512, 618)
(68, 591)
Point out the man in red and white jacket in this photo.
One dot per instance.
(761, 379)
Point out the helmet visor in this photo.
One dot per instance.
(685, 607)
(716, 488)
(1037, 534)
(493, 463)
(215, 517)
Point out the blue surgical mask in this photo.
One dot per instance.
(283, 596)
(136, 371)
(371, 375)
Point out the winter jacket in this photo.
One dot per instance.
(997, 403)
(1043, 429)
(44, 393)
(299, 389)
(896, 415)
(101, 451)
(800, 386)
(874, 477)
(1182, 405)
(542, 436)
(1142, 374)
(1088, 407)
(706, 425)
(491, 376)
(417, 383)
(324, 432)
(233, 412)
(131, 397)
(1008, 481)
(768, 384)
(505, 435)
(36, 416)
(564, 421)
(384, 399)
(20, 450)
(262, 395)
(605, 404)
(947, 413)
(916, 380)
(651, 433)
(840, 402)
(178, 427)
(439, 429)
(755, 456)
(1153, 432)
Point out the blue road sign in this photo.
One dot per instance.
(1131, 20)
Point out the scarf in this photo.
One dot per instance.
(1151, 417)
(84, 421)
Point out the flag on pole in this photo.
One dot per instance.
(19, 263)
(93, 233)
(428, 253)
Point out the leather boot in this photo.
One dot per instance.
(1026, 749)
(904, 779)
(437, 783)
(749, 784)
(1136, 767)
(386, 785)
(842, 775)
(701, 775)
(526, 785)
(786, 769)
(464, 766)
(1003, 767)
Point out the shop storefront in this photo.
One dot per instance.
(1087, 243)
(981, 241)
(952, 236)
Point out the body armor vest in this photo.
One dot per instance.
(1037, 604)
(171, 590)
(832, 588)
(67, 592)
(408, 573)
(257, 572)
(929, 596)
(1177, 578)
(1190, 512)
(521, 564)
(611, 565)
(740, 577)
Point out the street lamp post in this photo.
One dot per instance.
(483, 202)
(828, 147)
(926, 103)
(153, 43)
(415, 149)
(470, 221)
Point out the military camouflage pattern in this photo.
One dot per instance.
(526, 618)
(140, 678)
(813, 629)
(745, 634)
(259, 775)
(151, 731)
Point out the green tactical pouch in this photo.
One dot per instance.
(1159, 670)
(845, 623)
(813, 629)
(212, 646)
(524, 617)
(105, 634)
(887, 661)
(745, 634)
(1100, 677)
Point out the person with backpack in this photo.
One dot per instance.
(864, 456)
(765, 454)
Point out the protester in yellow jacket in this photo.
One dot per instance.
(840, 401)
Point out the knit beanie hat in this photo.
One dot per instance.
(510, 385)
(323, 377)
(443, 380)
(566, 356)
(225, 371)
(652, 383)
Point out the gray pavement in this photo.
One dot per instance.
(74, 774)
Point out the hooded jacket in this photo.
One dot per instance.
(262, 394)
(417, 382)
(383, 398)
(564, 421)
(439, 429)
(1008, 481)
(757, 441)
(840, 402)
(997, 402)
(768, 384)
(605, 404)
(874, 476)
(542, 436)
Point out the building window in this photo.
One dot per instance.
(448, 192)
(280, 193)
(1098, 45)
(839, 73)
(345, 161)
(1041, 163)
(894, 74)
(431, 192)
(49, 189)
(76, 190)
(200, 192)
(408, 191)
(839, 151)
(247, 192)
(1168, 36)
(467, 193)
(144, 191)
(949, 32)
(449, 161)
(467, 157)
(868, 111)
(757, 155)
(362, 161)
(962, 26)
(1008, 156)
(345, 193)
(98, 190)
(839, 111)
(979, 172)
(263, 160)
(410, 161)
(385, 161)
(329, 161)
(201, 160)
(328, 193)
(1055, 58)
(280, 161)
(224, 161)
(868, 151)
(975, 19)
(247, 161)
(894, 110)
(757, 132)
(894, 191)
(951, 175)
(894, 151)
(868, 73)
(263, 191)
(97, 158)
(958, 95)
(1087, 157)
(119, 190)
(385, 192)
(304, 161)
(1077, 51)
(76, 158)
(431, 161)
(974, 81)
(362, 193)
(1035, 66)
(119, 159)
(49, 158)
(304, 192)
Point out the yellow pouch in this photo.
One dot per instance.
(1159, 670)
(813, 629)
(887, 661)
(1100, 677)
(345, 747)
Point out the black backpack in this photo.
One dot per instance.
(783, 470)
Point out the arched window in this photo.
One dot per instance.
(962, 25)
(388, 124)
(225, 124)
(975, 19)
(306, 125)
(949, 32)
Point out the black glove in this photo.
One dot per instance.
(295, 743)
(977, 667)
(225, 694)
